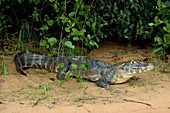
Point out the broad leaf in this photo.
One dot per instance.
(74, 66)
(50, 22)
(43, 43)
(52, 40)
(44, 27)
(71, 14)
(69, 44)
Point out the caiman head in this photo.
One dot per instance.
(127, 70)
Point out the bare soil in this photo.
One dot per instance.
(148, 94)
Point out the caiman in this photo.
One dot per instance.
(98, 71)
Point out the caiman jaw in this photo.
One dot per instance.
(127, 70)
(136, 70)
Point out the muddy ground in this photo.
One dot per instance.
(38, 94)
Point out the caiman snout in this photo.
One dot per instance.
(135, 66)
(150, 66)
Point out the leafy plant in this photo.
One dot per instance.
(152, 83)
(80, 23)
(46, 87)
(162, 39)
(78, 67)
(4, 69)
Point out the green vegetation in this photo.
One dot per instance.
(61, 26)
(46, 88)
(132, 83)
(161, 21)
(3, 70)
(152, 83)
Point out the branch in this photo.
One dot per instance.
(137, 102)
(84, 26)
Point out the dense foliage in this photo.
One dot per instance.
(55, 24)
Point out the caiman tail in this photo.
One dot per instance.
(28, 59)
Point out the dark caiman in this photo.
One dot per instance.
(98, 71)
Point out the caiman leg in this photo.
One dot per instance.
(102, 82)
(61, 73)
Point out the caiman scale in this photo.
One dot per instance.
(98, 71)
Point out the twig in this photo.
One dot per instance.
(137, 102)
(84, 26)
(61, 34)
(85, 90)
(38, 101)
(105, 97)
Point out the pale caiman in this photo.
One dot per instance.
(98, 71)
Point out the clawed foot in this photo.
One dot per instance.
(101, 82)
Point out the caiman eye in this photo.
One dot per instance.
(133, 62)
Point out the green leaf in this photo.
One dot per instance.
(44, 27)
(89, 37)
(47, 46)
(51, 0)
(151, 24)
(73, 24)
(50, 22)
(40, 33)
(19, 1)
(166, 29)
(91, 20)
(76, 38)
(75, 31)
(74, 66)
(9, 25)
(67, 29)
(71, 14)
(121, 12)
(82, 6)
(36, 16)
(61, 65)
(156, 19)
(49, 55)
(54, 50)
(68, 74)
(52, 40)
(88, 63)
(159, 40)
(82, 66)
(36, 29)
(168, 41)
(7, 6)
(88, 23)
(127, 37)
(93, 43)
(81, 12)
(82, 32)
(69, 44)
(60, 82)
(93, 25)
(64, 19)
(165, 21)
(76, 74)
(125, 31)
(159, 3)
(140, 30)
(2, 17)
(43, 43)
